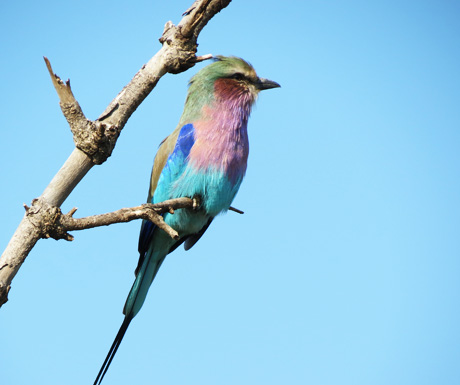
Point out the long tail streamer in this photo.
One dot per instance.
(113, 350)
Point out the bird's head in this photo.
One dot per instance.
(229, 80)
(230, 75)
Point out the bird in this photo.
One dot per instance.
(204, 158)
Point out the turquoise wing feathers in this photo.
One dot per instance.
(172, 158)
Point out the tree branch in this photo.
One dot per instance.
(234, 209)
(95, 140)
(52, 223)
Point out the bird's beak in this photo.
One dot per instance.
(265, 84)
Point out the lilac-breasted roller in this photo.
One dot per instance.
(205, 157)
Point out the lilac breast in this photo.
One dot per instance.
(221, 139)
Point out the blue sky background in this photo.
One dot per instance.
(344, 268)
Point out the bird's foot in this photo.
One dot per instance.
(196, 202)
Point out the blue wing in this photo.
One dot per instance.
(176, 163)
(173, 168)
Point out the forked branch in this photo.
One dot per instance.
(95, 140)
(52, 223)
(55, 224)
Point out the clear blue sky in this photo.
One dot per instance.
(344, 268)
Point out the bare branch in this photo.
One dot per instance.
(52, 223)
(203, 58)
(63, 89)
(95, 140)
(236, 210)
(57, 225)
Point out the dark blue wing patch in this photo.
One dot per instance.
(185, 140)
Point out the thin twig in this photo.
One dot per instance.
(203, 58)
(236, 210)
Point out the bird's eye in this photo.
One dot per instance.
(237, 76)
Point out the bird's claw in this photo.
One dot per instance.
(196, 202)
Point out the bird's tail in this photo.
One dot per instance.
(134, 302)
(141, 285)
(113, 350)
